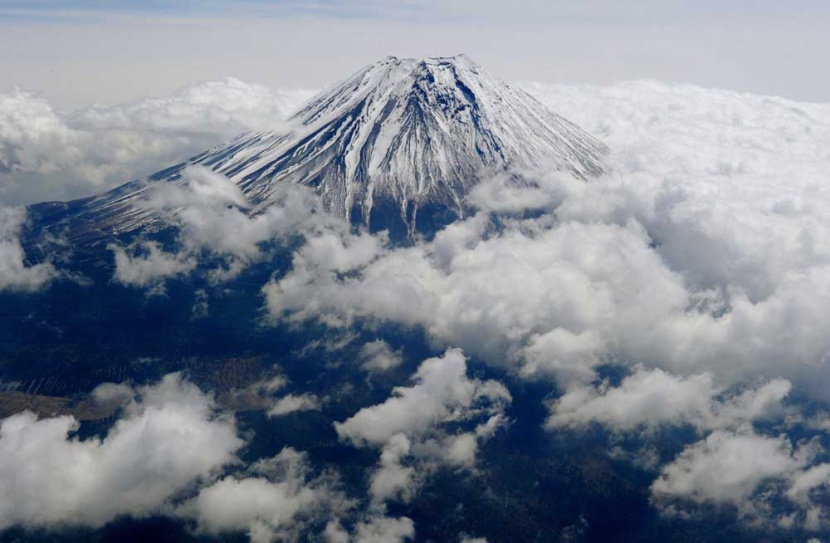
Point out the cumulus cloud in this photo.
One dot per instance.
(169, 438)
(170, 454)
(51, 155)
(392, 479)
(377, 529)
(15, 272)
(557, 300)
(441, 392)
(749, 471)
(148, 265)
(411, 426)
(292, 403)
(652, 398)
(726, 466)
(378, 356)
(212, 218)
(745, 458)
(729, 187)
(384, 529)
(272, 501)
(210, 210)
(269, 386)
(269, 396)
(229, 106)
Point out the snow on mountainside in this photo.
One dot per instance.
(403, 132)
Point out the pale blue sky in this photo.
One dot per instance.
(529, 10)
(84, 51)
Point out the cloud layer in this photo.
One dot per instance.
(702, 249)
(50, 155)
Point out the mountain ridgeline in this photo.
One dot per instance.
(396, 146)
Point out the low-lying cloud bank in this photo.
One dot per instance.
(51, 155)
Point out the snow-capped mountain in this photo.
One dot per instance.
(400, 133)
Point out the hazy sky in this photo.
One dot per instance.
(79, 52)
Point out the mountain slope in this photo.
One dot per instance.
(401, 133)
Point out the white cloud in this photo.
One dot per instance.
(164, 456)
(268, 395)
(376, 529)
(501, 194)
(727, 183)
(211, 214)
(48, 155)
(441, 392)
(512, 296)
(252, 504)
(334, 532)
(319, 264)
(271, 502)
(803, 483)
(766, 478)
(293, 403)
(15, 274)
(270, 386)
(148, 265)
(168, 439)
(117, 394)
(651, 398)
(726, 467)
(410, 426)
(378, 356)
(210, 211)
(225, 107)
(392, 479)
(385, 530)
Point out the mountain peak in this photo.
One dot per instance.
(399, 135)
(415, 132)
